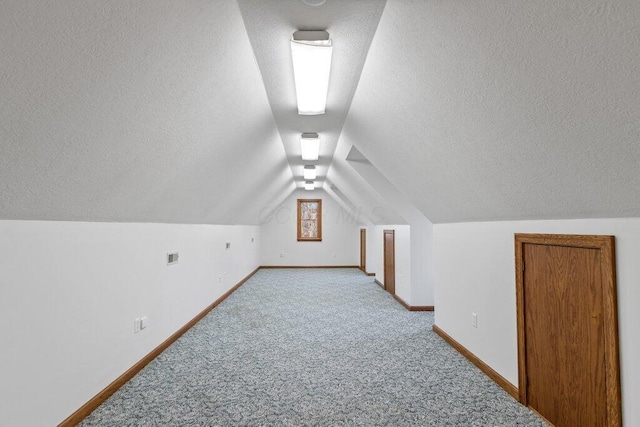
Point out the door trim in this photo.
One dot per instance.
(606, 245)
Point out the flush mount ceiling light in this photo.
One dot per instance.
(315, 2)
(311, 53)
(309, 172)
(309, 185)
(310, 146)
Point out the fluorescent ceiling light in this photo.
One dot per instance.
(311, 53)
(310, 146)
(308, 185)
(309, 172)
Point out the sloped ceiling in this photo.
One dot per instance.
(365, 200)
(351, 25)
(150, 111)
(482, 110)
(184, 111)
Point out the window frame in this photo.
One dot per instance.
(318, 238)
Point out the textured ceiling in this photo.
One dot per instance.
(184, 111)
(150, 111)
(364, 199)
(486, 111)
(351, 25)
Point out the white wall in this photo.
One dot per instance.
(475, 272)
(375, 256)
(71, 290)
(420, 288)
(340, 243)
(374, 251)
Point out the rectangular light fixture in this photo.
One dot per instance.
(310, 146)
(311, 54)
(309, 185)
(309, 172)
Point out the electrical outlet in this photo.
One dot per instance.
(136, 325)
(334, 254)
(228, 245)
(283, 255)
(474, 320)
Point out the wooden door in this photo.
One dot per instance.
(567, 333)
(363, 250)
(389, 261)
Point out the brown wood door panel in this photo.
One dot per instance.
(389, 261)
(363, 250)
(567, 329)
(563, 292)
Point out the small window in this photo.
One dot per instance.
(309, 220)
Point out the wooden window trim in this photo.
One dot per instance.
(309, 239)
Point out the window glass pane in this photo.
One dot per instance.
(309, 210)
(309, 228)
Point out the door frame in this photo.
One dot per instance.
(606, 245)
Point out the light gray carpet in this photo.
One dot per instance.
(307, 347)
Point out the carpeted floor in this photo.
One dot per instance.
(307, 347)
